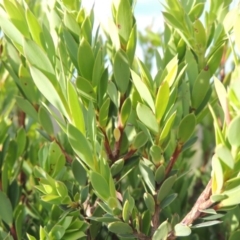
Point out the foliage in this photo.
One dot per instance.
(93, 146)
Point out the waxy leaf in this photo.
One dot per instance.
(143, 90)
(121, 71)
(80, 145)
(85, 59)
(124, 20)
(35, 28)
(225, 155)
(162, 232)
(147, 117)
(166, 188)
(126, 111)
(200, 88)
(103, 113)
(162, 100)
(186, 128)
(149, 201)
(120, 228)
(182, 230)
(49, 91)
(233, 132)
(131, 45)
(100, 185)
(75, 108)
(167, 127)
(6, 211)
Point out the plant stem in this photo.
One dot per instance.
(173, 159)
(203, 202)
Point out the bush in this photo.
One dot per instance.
(93, 146)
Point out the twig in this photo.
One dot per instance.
(107, 145)
(203, 202)
(173, 159)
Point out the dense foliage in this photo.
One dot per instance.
(93, 146)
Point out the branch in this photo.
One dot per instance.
(203, 202)
(173, 159)
(107, 145)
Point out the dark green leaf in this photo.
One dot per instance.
(6, 211)
(186, 128)
(121, 71)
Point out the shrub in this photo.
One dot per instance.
(93, 146)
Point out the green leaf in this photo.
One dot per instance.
(143, 90)
(145, 75)
(100, 185)
(168, 200)
(27, 84)
(167, 127)
(113, 93)
(98, 68)
(12, 32)
(165, 188)
(206, 224)
(222, 95)
(160, 174)
(162, 100)
(86, 29)
(35, 28)
(124, 20)
(117, 167)
(162, 232)
(149, 201)
(45, 120)
(200, 88)
(146, 222)
(170, 72)
(147, 117)
(131, 45)
(200, 36)
(75, 109)
(214, 60)
(79, 172)
(71, 24)
(148, 176)
(196, 11)
(233, 132)
(235, 235)
(218, 175)
(27, 107)
(37, 58)
(225, 155)
(85, 89)
(126, 211)
(139, 140)
(218, 197)
(16, 14)
(72, 47)
(121, 71)
(50, 91)
(80, 145)
(186, 127)
(85, 59)
(21, 141)
(103, 113)
(126, 111)
(182, 230)
(156, 154)
(6, 211)
(120, 228)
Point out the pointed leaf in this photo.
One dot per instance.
(147, 117)
(80, 145)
